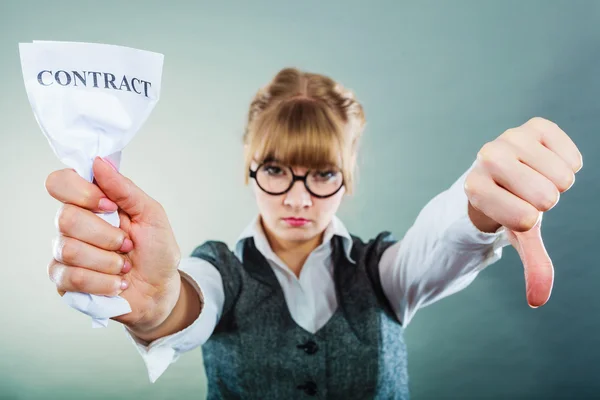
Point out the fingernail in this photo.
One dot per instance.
(124, 284)
(126, 267)
(107, 205)
(127, 246)
(109, 163)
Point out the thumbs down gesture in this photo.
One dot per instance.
(516, 178)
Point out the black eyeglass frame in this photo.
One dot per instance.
(295, 178)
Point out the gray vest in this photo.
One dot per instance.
(257, 351)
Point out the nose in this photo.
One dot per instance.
(297, 196)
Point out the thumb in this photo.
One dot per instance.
(120, 189)
(539, 272)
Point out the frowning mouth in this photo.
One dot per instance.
(296, 221)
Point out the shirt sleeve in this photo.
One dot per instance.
(162, 352)
(441, 254)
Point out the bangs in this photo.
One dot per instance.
(298, 132)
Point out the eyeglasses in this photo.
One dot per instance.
(275, 178)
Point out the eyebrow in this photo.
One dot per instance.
(275, 160)
(271, 159)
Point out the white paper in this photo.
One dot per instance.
(90, 100)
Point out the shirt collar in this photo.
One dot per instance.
(254, 230)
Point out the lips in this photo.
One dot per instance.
(292, 221)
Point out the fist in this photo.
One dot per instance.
(91, 256)
(516, 178)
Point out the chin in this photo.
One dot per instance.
(296, 234)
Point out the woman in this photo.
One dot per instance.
(300, 306)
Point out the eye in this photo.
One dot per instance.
(273, 169)
(325, 175)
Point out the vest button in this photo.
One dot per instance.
(309, 347)
(309, 387)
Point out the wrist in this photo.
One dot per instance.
(170, 319)
(159, 310)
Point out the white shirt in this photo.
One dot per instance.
(439, 255)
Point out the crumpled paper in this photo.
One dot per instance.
(90, 100)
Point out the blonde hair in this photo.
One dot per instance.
(304, 119)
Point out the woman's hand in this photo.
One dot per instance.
(92, 256)
(516, 178)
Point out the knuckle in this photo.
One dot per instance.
(512, 135)
(125, 196)
(540, 123)
(87, 198)
(566, 182)
(55, 180)
(476, 201)
(66, 218)
(535, 120)
(549, 200)
(51, 182)
(526, 221)
(474, 194)
(57, 245)
(469, 185)
(116, 266)
(56, 273)
(486, 154)
(113, 286)
(51, 270)
(77, 279)
(116, 241)
(69, 250)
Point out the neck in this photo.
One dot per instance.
(293, 253)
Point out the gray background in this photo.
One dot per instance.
(437, 78)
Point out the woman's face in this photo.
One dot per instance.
(296, 216)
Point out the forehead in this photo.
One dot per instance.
(299, 135)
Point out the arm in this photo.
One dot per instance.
(516, 179)
(441, 253)
(190, 324)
